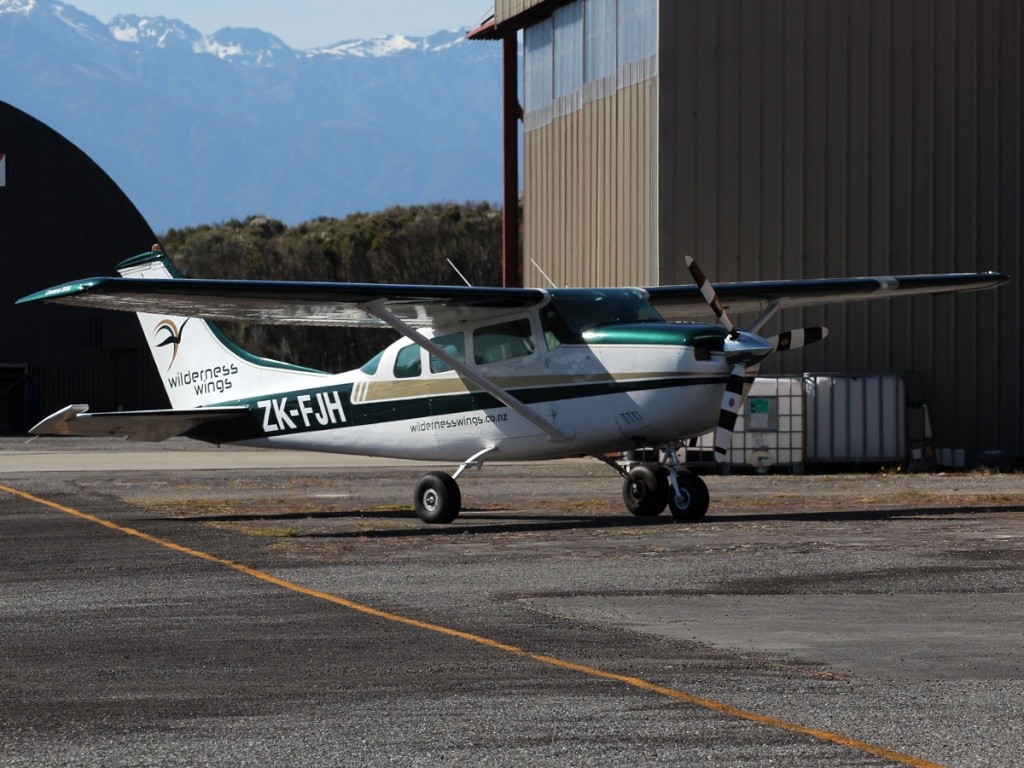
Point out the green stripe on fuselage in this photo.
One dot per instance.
(325, 408)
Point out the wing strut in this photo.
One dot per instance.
(377, 309)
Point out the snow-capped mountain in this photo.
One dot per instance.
(156, 32)
(392, 44)
(199, 128)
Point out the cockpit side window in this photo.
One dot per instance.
(452, 343)
(407, 362)
(556, 330)
(503, 341)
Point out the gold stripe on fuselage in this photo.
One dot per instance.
(377, 391)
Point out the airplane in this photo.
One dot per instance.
(478, 373)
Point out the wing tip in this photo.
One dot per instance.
(64, 291)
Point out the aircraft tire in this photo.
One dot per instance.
(438, 499)
(646, 490)
(695, 498)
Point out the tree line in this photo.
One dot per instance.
(408, 244)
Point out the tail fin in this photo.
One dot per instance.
(198, 364)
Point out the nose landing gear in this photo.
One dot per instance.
(689, 499)
(649, 487)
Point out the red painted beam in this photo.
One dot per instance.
(511, 258)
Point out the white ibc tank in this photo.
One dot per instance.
(855, 418)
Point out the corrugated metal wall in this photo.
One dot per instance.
(506, 9)
(590, 199)
(802, 138)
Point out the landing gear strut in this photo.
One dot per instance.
(688, 498)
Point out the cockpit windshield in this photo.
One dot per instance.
(575, 310)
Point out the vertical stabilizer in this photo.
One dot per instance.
(198, 364)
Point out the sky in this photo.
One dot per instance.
(306, 24)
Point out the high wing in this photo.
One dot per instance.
(147, 426)
(684, 302)
(353, 304)
(268, 302)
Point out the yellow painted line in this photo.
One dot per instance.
(635, 682)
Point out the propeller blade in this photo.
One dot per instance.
(708, 292)
(732, 401)
(743, 349)
(797, 338)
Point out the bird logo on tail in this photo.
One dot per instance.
(173, 336)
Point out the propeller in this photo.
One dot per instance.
(744, 350)
(707, 290)
(795, 339)
(732, 401)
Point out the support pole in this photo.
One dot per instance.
(511, 261)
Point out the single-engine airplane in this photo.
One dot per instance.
(478, 374)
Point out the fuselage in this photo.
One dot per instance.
(610, 387)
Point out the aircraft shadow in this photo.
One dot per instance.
(469, 521)
(502, 521)
(491, 523)
(379, 514)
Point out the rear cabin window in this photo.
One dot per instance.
(407, 362)
(504, 341)
(452, 343)
(371, 365)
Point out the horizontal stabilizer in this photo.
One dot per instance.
(148, 426)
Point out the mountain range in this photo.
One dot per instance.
(202, 128)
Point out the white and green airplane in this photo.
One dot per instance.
(479, 374)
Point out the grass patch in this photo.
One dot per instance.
(587, 505)
(278, 533)
(263, 531)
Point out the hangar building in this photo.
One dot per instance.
(61, 218)
(784, 140)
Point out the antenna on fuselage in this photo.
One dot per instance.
(545, 274)
(452, 265)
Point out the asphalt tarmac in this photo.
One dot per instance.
(176, 605)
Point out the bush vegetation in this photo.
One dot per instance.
(398, 245)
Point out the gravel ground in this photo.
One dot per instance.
(879, 608)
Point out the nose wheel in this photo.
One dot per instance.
(688, 498)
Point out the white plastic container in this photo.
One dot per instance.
(770, 429)
(789, 421)
(855, 419)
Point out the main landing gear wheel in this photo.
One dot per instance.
(646, 490)
(692, 501)
(438, 498)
